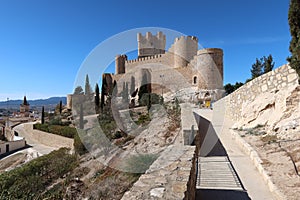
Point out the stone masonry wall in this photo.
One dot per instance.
(272, 81)
(171, 176)
(49, 139)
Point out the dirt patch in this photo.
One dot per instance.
(280, 156)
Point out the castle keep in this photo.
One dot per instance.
(182, 66)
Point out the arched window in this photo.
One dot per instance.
(195, 80)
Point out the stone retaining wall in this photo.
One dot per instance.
(171, 176)
(49, 139)
(271, 81)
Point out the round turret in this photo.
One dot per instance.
(210, 66)
(185, 48)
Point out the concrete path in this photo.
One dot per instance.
(35, 145)
(246, 171)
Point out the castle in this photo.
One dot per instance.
(182, 66)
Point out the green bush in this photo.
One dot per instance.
(64, 131)
(143, 119)
(140, 163)
(78, 145)
(154, 98)
(34, 177)
(41, 127)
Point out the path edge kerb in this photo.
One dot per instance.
(250, 151)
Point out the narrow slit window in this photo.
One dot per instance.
(195, 80)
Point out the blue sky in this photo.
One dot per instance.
(43, 43)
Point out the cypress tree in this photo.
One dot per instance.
(81, 125)
(97, 98)
(126, 93)
(115, 89)
(87, 89)
(60, 106)
(294, 22)
(43, 115)
(144, 87)
(132, 85)
(103, 92)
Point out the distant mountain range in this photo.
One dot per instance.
(49, 103)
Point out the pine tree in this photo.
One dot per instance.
(268, 63)
(126, 94)
(294, 22)
(87, 89)
(43, 115)
(97, 98)
(257, 68)
(78, 90)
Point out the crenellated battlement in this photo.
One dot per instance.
(144, 58)
(150, 45)
(210, 51)
(189, 37)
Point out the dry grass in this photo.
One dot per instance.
(269, 139)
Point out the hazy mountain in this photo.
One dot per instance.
(38, 103)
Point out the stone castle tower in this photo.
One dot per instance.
(182, 65)
(150, 45)
(24, 108)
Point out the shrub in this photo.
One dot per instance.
(143, 119)
(32, 179)
(64, 131)
(154, 98)
(140, 163)
(41, 127)
(78, 145)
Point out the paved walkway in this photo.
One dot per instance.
(250, 178)
(35, 145)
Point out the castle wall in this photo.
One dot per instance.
(165, 59)
(175, 181)
(163, 77)
(183, 66)
(277, 79)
